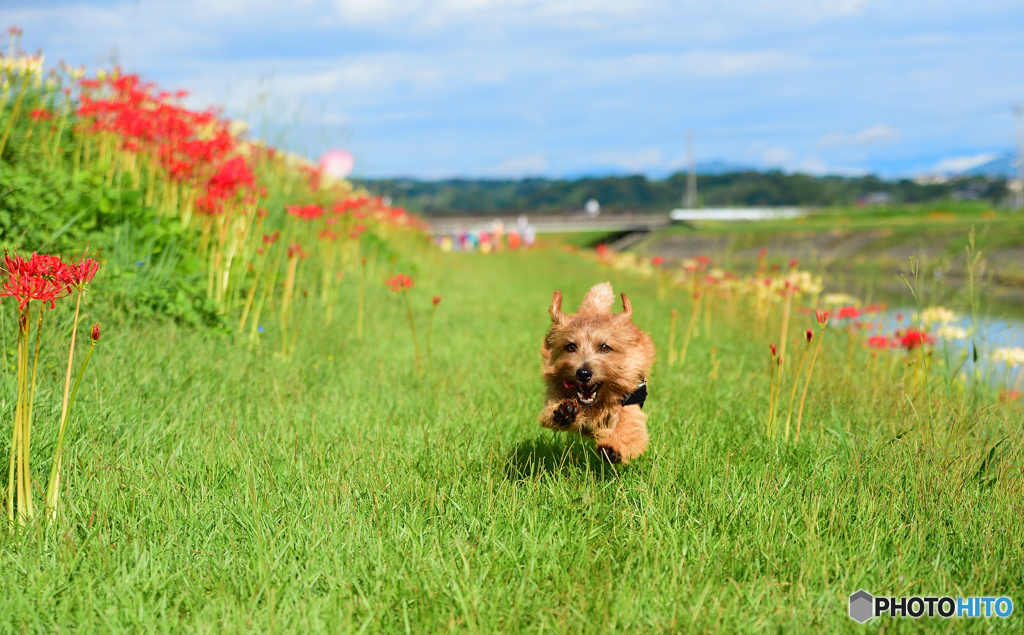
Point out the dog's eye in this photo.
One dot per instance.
(570, 348)
(605, 348)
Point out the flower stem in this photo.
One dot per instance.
(672, 354)
(362, 286)
(689, 329)
(412, 326)
(53, 487)
(810, 372)
(14, 112)
(796, 382)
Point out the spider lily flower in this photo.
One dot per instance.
(915, 338)
(400, 283)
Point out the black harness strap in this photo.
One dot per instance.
(637, 397)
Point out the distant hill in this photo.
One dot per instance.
(640, 194)
(999, 168)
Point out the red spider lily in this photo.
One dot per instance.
(878, 341)
(41, 277)
(436, 300)
(703, 260)
(307, 212)
(399, 283)
(349, 204)
(809, 335)
(331, 220)
(357, 231)
(793, 263)
(232, 177)
(327, 234)
(899, 317)
(41, 114)
(295, 251)
(822, 317)
(262, 213)
(874, 308)
(914, 338)
(774, 349)
(270, 239)
(1009, 396)
(657, 260)
(81, 273)
(848, 312)
(602, 250)
(95, 334)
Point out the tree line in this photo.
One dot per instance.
(640, 194)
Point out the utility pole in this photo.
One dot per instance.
(1019, 198)
(691, 177)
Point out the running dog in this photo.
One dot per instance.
(596, 365)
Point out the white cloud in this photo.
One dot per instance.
(875, 135)
(955, 165)
(518, 167)
(639, 162)
(776, 157)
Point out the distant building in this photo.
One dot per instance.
(875, 198)
(931, 179)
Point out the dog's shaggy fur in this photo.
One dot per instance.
(593, 360)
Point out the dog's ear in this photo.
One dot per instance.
(556, 308)
(627, 309)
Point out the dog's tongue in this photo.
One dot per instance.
(567, 384)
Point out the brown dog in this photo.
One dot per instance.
(596, 365)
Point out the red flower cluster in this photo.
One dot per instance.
(343, 206)
(41, 114)
(306, 212)
(848, 312)
(914, 338)
(43, 277)
(400, 283)
(188, 146)
(878, 341)
(233, 176)
(657, 260)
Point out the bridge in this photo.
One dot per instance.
(553, 223)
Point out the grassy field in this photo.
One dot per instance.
(215, 489)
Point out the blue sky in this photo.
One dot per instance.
(508, 88)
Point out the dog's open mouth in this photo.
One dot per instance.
(586, 393)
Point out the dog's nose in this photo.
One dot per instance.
(584, 375)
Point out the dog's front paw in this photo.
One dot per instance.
(609, 454)
(565, 413)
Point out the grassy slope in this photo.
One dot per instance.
(217, 490)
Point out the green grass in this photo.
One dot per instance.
(214, 489)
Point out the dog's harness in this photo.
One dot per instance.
(637, 397)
